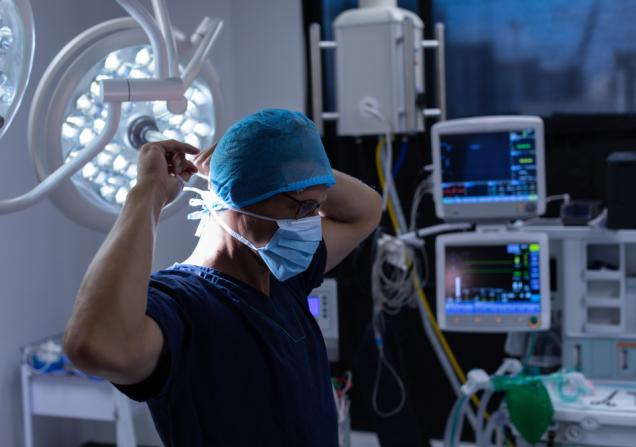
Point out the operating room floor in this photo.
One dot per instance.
(364, 439)
(367, 439)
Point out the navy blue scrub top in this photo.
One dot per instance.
(239, 368)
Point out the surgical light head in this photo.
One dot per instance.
(68, 114)
(16, 56)
(268, 153)
(111, 175)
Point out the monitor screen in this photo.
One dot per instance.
(493, 279)
(490, 166)
(314, 305)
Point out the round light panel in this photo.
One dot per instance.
(67, 114)
(112, 173)
(16, 56)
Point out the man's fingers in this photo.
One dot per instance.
(205, 155)
(202, 162)
(186, 176)
(188, 166)
(178, 146)
(171, 147)
(181, 180)
(180, 166)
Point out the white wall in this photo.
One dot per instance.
(260, 60)
(43, 254)
(268, 55)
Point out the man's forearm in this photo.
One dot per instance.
(350, 201)
(111, 302)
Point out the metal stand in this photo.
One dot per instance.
(77, 398)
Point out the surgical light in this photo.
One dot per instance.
(68, 114)
(85, 116)
(16, 56)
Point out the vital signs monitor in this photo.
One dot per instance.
(323, 305)
(489, 168)
(493, 282)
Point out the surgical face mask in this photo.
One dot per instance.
(292, 247)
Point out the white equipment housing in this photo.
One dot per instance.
(379, 59)
(379, 71)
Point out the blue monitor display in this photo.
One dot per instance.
(314, 305)
(493, 279)
(489, 167)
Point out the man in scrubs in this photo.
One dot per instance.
(223, 346)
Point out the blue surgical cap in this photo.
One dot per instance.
(268, 153)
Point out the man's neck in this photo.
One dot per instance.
(220, 251)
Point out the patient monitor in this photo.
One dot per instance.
(489, 168)
(493, 282)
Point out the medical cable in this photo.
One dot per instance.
(554, 198)
(340, 395)
(532, 341)
(428, 311)
(382, 360)
(378, 165)
(390, 293)
(481, 414)
(394, 197)
(423, 188)
(454, 424)
(493, 423)
(390, 285)
(384, 160)
(483, 417)
(438, 341)
(401, 158)
(369, 108)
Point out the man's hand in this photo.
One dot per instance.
(164, 165)
(202, 162)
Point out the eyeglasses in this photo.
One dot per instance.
(305, 207)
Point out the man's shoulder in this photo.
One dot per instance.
(171, 279)
(180, 285)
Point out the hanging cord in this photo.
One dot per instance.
(391, 291)
(341, 385)
(446, 353)
(401, 158)
(421, 295)
(382, 360)
(423, 188)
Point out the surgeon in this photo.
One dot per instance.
(223, 347)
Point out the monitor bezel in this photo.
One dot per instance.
(488, 211)
(488, 239)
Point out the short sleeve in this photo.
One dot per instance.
(167, 313)
(315, 273)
